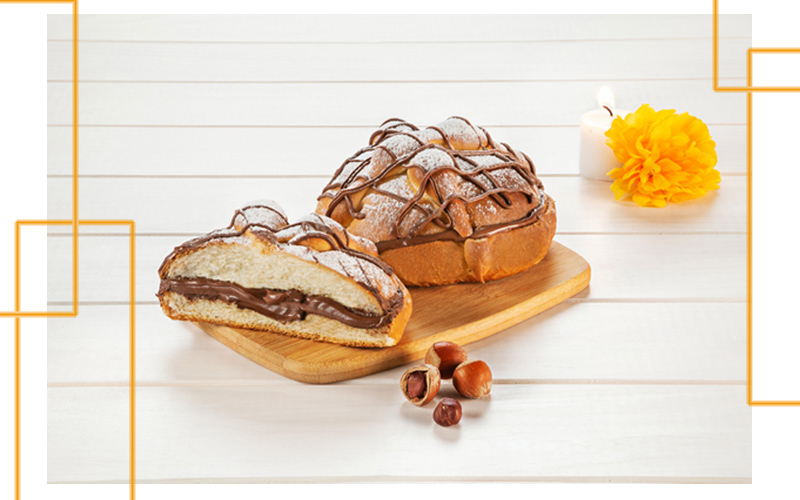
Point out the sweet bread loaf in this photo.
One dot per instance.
(443, 204)
(310, 279)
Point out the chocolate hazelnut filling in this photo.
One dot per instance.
(280, 305)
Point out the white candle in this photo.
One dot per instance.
(596, 158)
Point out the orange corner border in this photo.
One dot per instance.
(131, 343)
(17, 314)
(750, 89)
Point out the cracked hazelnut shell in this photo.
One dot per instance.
(420, 384)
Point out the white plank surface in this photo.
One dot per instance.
(639, 378)
(246, 151)
(398, 29)
(369, 104)
(198, 205)
(667, 267)
(505, 61)
(560, 432)
(562, 345)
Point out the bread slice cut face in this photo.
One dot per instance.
(310, 279)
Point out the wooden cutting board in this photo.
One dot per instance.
(461, 313)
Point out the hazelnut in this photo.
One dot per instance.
(473, 379)
(445, 356)
(420, 384)
(447, 412)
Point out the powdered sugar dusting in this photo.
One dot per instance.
(431, 159)
(263, 213)
(381, 210)
(508, 178)
(401, 144)
(366, 273)
(459, 130)
(397, 186)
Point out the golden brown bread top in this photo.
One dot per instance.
(411, 182)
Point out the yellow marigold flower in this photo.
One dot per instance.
(666, 157)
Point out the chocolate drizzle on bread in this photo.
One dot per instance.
(447, 189)
(452, 235)
(486, 171)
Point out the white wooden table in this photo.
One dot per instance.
(641, 377)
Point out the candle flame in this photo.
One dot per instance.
(605, 97)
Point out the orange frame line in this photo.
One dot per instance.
(17, 273)
(17, 314)
(132, 341)
(750, 89)
(74, 222)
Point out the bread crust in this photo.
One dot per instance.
(481, 259)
